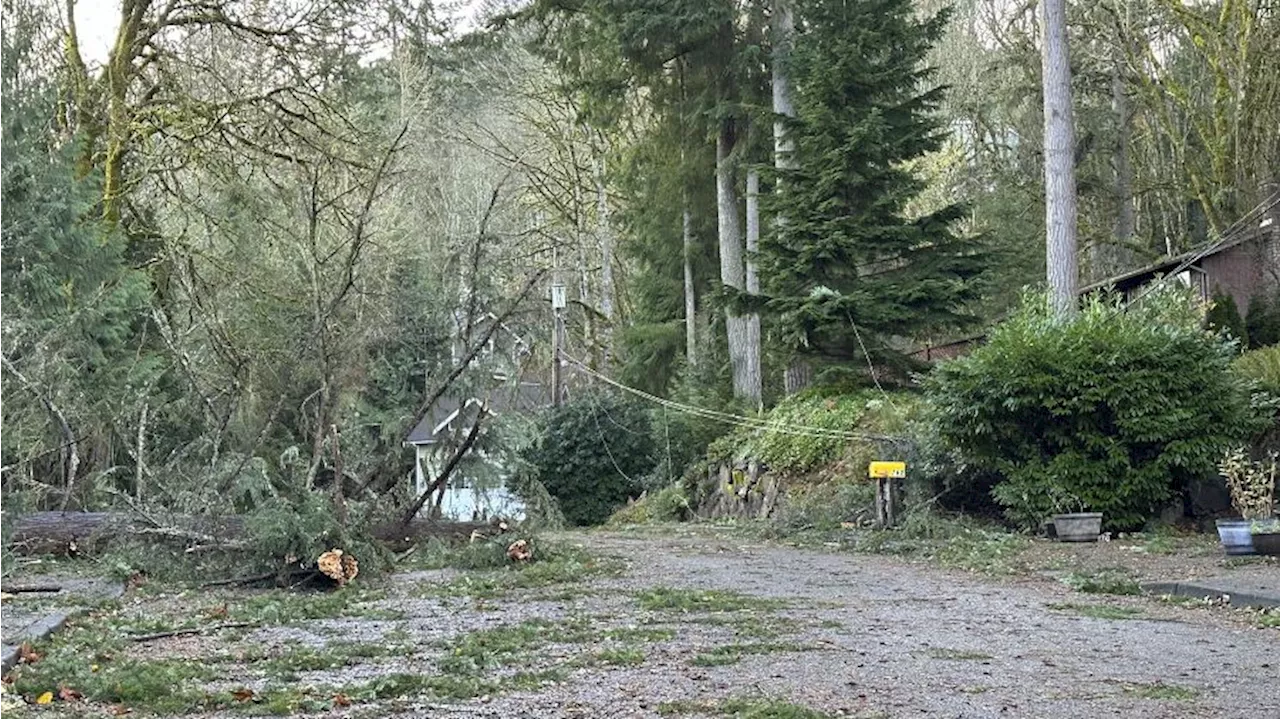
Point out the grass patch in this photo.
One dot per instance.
(1099, 611)
(1160, 544)
(958, 655)
(281, 607)
(1163, 691)
(478, 652)
(87, 657)
(733, 653)
(639, 634)
(557, 567)
(620, 657)
(448, 686)
(668, 599)
(742, 709)
(287, 665)
(747, 625)
(1269, 619)
(1104, 581)
(956, 542)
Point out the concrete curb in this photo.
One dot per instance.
(36, 631)
(1260, 599)
(44, 627)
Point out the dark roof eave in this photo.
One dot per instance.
(1168, 263)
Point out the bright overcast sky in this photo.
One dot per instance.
(96, 21)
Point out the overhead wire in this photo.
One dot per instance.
(756, 423)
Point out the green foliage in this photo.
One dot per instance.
(552, 564)
(849, 259)
(74, 305)
(304, 528)
(1224, 316)
(1113, 409)
(1262, 322)
(1262, 365)
(840, 408)
(672, 599)
(1099, 611)
(949, 540)
(682, 439)
(825, 506)
(93, 658)
(669, 504)
(832, 409)
(592, 454)
(279, 606)
(1103, 581)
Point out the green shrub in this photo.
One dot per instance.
(1262, 366)
(1224, 316)
(1112, 410)
(592, 454)
(669, 504)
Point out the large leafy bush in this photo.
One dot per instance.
(592, 455)
(1109, 411)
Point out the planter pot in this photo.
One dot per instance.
(1268, 543)
(1080, 527)
(1236, 536)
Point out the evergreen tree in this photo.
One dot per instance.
(849, 268)
(1225, 315)
(1262, 322)
(73, 305)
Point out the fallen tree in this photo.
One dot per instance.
(78, 533)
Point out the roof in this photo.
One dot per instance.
(525, 397)
(1163, 265)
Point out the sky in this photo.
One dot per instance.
(97, 20)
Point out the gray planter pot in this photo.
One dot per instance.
(1236, 536)
(1078, 527)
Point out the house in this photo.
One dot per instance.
(1245, 267)
(477, 490)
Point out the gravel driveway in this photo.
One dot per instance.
(693, 624)
(879, 637)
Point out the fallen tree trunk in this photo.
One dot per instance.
(398, 536)
(89, 532)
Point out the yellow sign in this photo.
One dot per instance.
(881, 470)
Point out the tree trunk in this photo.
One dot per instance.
(339, 479)
(783, 31)
(798, 374)
(140, 467)
(1126, 221)
(732, 269)
(690, 300)
(755, 377)
(87, 532)
(606, 247)
(1061, 266)
(753, 230)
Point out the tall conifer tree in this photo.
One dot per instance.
(849, 268)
